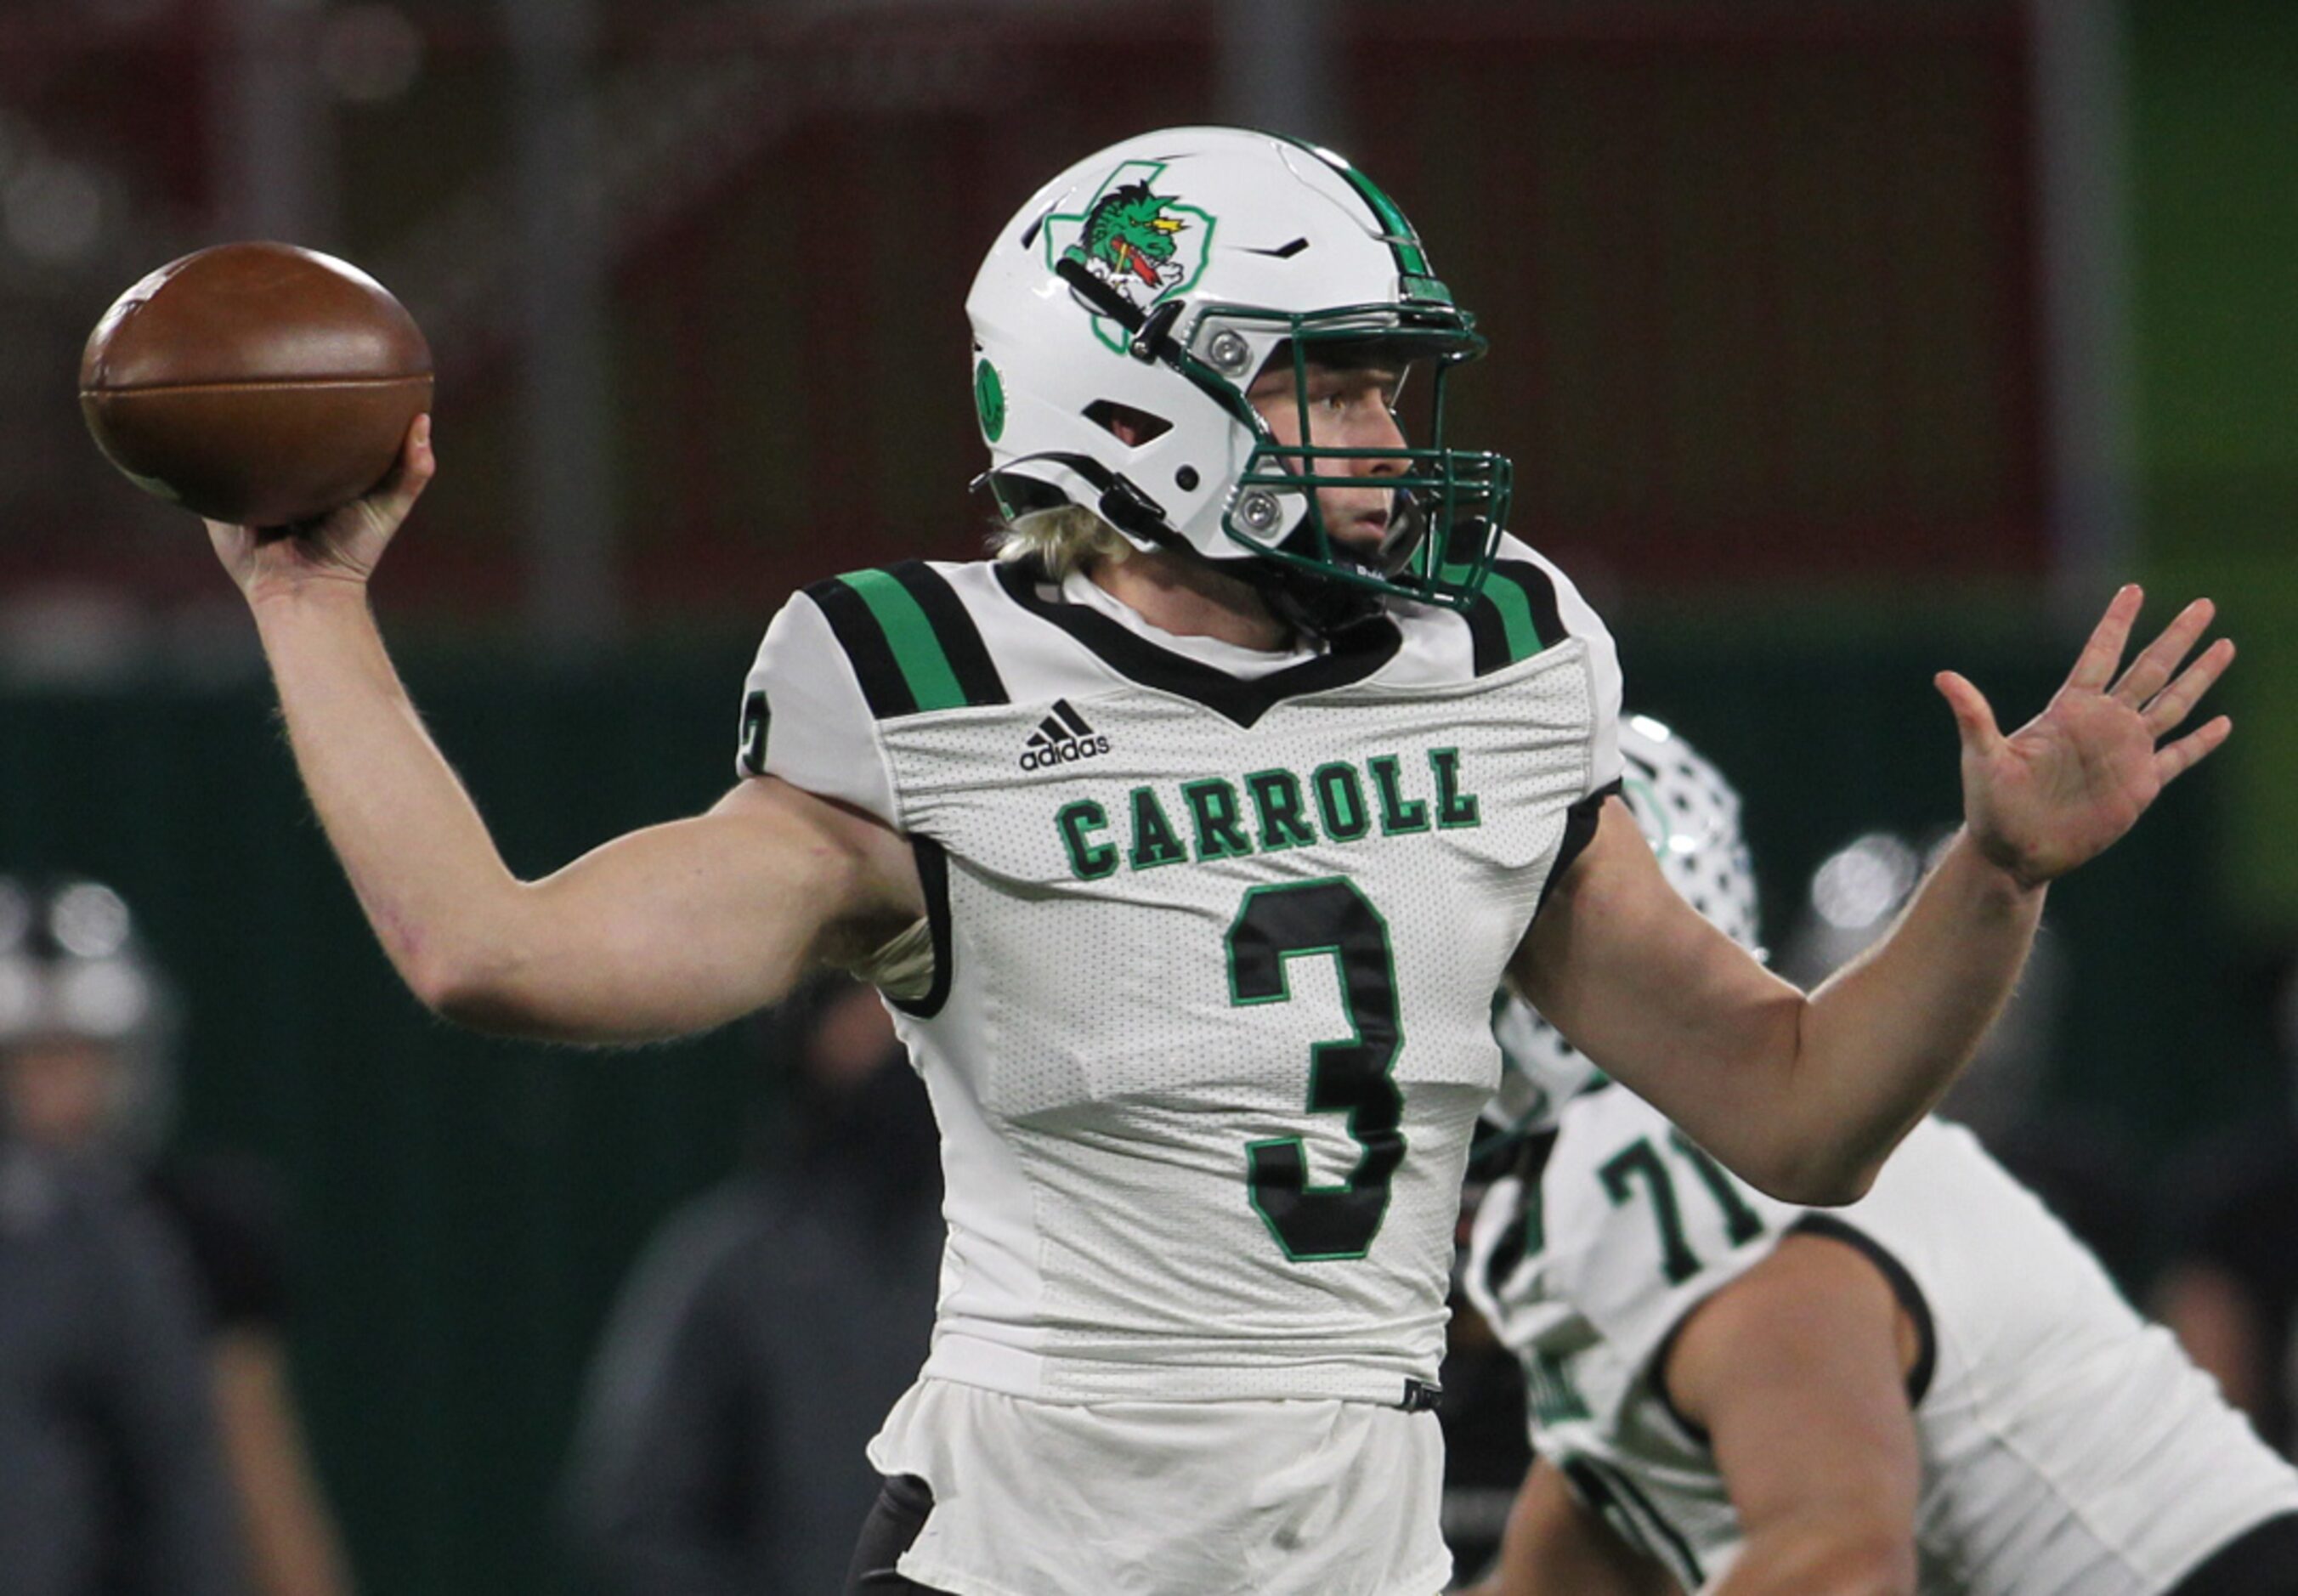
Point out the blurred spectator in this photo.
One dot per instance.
(86, 1079)
(111, 1480)
(766, 1331)
(2230, 1287)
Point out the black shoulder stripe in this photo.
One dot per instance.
(857, 631)
(1539, 591)
(953, 628)
(1488, 636)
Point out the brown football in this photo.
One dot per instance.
(255, 383)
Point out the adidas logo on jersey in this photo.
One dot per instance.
(1061, 738)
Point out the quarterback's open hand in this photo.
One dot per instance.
(2064, 786)
(342, 546)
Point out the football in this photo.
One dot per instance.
(258, 384)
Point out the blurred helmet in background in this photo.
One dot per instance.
(87, 1022)
(1690, 816)
(1853, 896)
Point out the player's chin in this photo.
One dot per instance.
(1359, 533)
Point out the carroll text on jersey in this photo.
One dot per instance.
(1266, 811)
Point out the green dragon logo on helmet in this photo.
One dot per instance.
(1127, 234)
(1143, 244)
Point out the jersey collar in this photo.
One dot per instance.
(1242, 699)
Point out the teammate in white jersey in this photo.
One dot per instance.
(1934, 1389)
(1192, 841)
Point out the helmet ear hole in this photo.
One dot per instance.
(1129, 425)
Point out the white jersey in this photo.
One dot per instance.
(1215, 939)
(2067, 1448)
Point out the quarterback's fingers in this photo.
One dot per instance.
(1974, 719)
(2152, 668)
(2175, 759)
(397, 492)
(379, 512)
(2095, 667)
(2169, 706)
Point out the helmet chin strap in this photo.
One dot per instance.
(1322, 605)
(1333, 611)
(1308, 602)
(1299, 595)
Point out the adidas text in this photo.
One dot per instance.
(1064, 752)
(1061, 738)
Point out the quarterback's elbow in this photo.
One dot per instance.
(474, 979)
(1826, 1173)
(496, 1006)
(1827, 1183)
(1818, 1146)
(590, 992)
(495, 992)
(477, 1007)
(462, 988)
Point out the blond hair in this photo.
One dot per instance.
(1064, 538)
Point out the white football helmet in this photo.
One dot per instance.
(1690, 816)
(1150, 284)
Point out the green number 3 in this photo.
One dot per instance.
(1330, 917)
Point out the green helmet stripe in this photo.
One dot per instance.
(1399, 233)
(918, 653)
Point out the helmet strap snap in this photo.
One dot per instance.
(1154, 340)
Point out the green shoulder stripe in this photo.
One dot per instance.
(913, 646)
(1514, 618)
